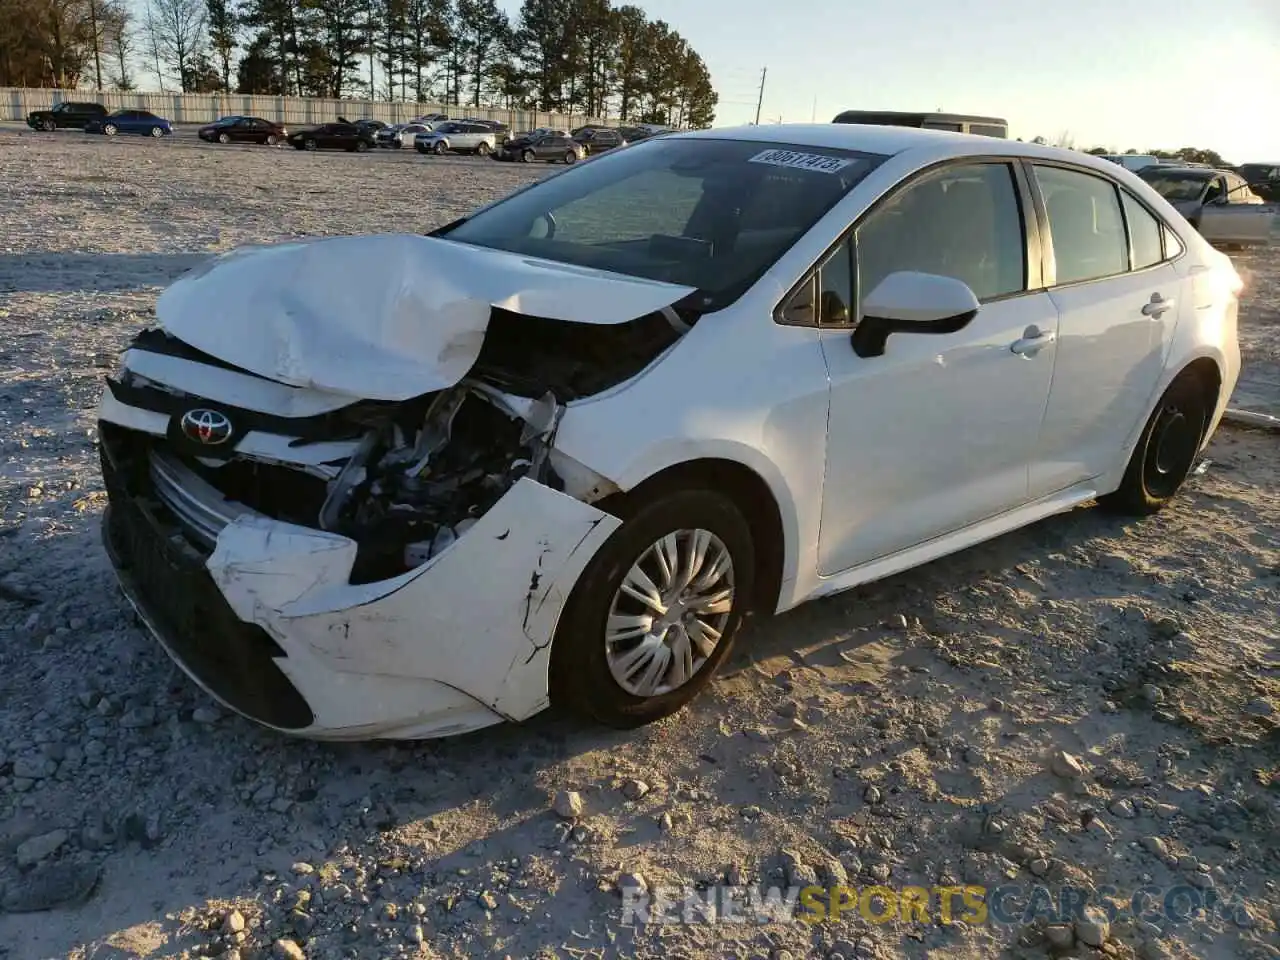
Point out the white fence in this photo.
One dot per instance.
(17, 102)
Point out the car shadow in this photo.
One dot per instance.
(74, 272)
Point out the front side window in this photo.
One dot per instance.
(963, 222)
(1144, 233)
(706, 213)
(1085, 224)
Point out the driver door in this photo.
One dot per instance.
(939, 432)
(1238, 215)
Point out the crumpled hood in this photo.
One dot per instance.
(382, 317)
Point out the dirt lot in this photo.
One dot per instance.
(907, 733)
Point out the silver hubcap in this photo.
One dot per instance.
(669, 612)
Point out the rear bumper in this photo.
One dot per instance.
(271, 626)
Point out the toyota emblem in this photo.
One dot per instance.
(206, 426)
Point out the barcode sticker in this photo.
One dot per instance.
(801, 161)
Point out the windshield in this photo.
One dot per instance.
(1255, 172)
(705, 213)
(1176, 186)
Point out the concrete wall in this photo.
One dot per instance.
(16, 103)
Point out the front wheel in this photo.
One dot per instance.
(109, 129)
(49, 126)
(1166, 450)
(271, 140)
(223, 138)
(361, 146)
(157, 132)
(440, 148)
(528, 156)
(655, 611)
(570, 157)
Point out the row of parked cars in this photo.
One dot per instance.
(430, 134)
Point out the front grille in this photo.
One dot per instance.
(198, 505)
(166, 577)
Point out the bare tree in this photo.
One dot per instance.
(177, 30)
(153, 43)
(117, 34)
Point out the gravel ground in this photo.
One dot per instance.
(1084, 704)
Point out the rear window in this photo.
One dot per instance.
(706, 213)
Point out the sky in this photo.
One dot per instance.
(1113, 73)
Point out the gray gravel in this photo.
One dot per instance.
(987, 719)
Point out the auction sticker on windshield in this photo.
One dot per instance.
(801, 161)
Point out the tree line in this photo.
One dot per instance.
(584, 56)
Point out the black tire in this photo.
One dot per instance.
(271, 140)
(157, 132)
(1166, 451)
(109, 129)
(570, 157)
(580, 678)
(48, 126)
(361, 146)
(223, 138)
(483, 149)
(528, 156)
(440, 148)
(310, 145)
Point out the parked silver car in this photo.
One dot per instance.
(401, 135)
(457, 136)
(1218, 203)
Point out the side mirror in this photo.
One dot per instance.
(910, 302)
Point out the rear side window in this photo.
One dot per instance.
(1144, 233)
(1085, 224)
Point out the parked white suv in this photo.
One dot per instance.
(456, 135)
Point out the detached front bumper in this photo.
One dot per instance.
(270, 625)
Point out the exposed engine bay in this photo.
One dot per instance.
(411, 489)
(403, 479)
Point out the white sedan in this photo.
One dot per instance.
(556, 452)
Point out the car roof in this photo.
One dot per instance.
(1191, 173)
(926, 144)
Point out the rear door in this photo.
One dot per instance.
(1110, 273)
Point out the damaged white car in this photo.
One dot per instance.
(574, 438)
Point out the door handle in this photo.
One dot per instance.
(1156, 306)
(1033, 340)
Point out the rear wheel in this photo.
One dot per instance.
(109, 129)
(1166, 450)
(223, 138)
(570, 157)
(483, 149)
(49, 126)
(361, 146)
(309, 145)
(655, 611)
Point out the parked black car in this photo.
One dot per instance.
(599, 139)
(1264, 178)
(68, 114)
(243, 130)
(551, 148)
(334, 136)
